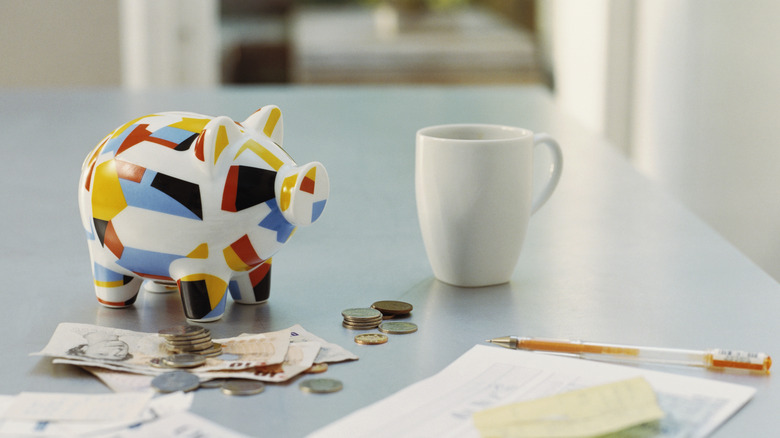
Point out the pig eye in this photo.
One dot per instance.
(246, 187)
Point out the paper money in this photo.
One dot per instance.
(143, 353)
(300, 357)
(268, 357)
(329, 352)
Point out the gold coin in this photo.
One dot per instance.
(371, 339)
(397, 327)
(242, 387)
(318, 368)
(320, 386)
(390, 307)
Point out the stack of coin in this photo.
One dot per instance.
(393, 309)
(190, 339)
(361, 318)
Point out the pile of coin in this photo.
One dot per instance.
(191, 339)
(361, 318)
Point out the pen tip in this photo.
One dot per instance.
(489, 340)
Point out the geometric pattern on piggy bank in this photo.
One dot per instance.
(198, 203)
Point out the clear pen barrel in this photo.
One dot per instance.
(646, 354)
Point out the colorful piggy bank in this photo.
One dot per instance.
(196, 202)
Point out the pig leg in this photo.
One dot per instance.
(203, 296)
(114, 289)
(252, 287)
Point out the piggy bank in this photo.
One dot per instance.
(195, 203)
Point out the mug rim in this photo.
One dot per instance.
(437, 132)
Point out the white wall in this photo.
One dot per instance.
(690, 90)
(59, 43)
(134, 43)
(169, 43)
(591, 46)
(707, 114)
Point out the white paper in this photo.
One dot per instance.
(160, 406)
(486, 377)
(179, 425)
(45, 406)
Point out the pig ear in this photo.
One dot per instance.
(215, 138)
(267, 121)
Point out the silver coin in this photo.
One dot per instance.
(397, 328)
(194, 338)
(182, 330)
(184, 360)
(203, 337)
(213, 383)
(200, 345)
(320, 386)
(242, 387)
(360, 326)
(173, 381)
(361, 314)
(363, 321)
(212, 351)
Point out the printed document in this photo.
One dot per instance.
(487, 377)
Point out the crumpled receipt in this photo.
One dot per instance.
(587, 412)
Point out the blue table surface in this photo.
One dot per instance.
(610, 257)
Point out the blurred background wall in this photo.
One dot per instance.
(51, 43)
(688, 90)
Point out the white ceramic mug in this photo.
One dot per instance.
(474, 189)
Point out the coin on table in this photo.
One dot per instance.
(185, 360)
(320, 386)
(214, 351)
(390, 307)
(360, 326)
(317, 368)
(190, 346)
(178, 340)
(182, 330)
(361, 314)
(242, 387)
(173, 381)
(397, 328)
(213, 383)
(371, 339)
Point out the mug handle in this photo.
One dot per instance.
(555, 169)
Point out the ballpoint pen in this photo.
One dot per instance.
(712, 358)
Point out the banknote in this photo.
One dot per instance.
(138, 352)
(329, 352)
(268, 357)
(300, 357)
